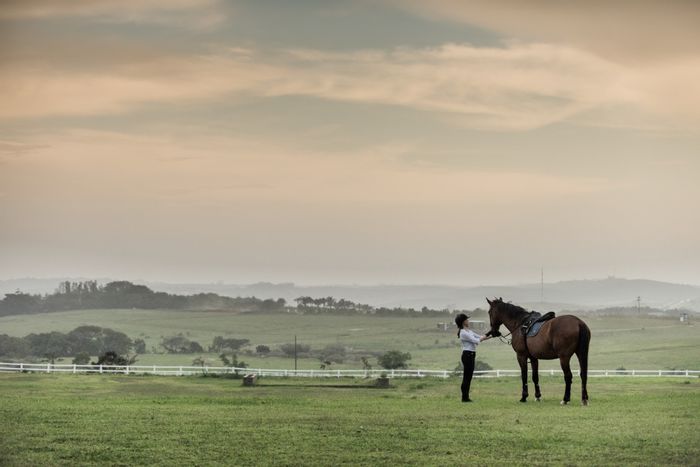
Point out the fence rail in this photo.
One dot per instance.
(219, 370)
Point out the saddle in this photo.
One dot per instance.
(532, 324)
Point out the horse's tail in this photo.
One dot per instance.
(584, 339)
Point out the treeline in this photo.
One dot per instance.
(114, 347)
(82, 342)
(85, 341)
(89, 295)
(123, 294)
(310, 305)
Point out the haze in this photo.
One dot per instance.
(350, 142)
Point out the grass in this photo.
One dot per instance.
(121, 420)
(643, 342)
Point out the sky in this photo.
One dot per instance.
(473, 142)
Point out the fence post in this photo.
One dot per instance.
(100, 369)
(74, 368)
(48, 367)
(127, 369)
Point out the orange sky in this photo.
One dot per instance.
(202, 140)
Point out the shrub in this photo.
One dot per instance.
(394, 359)
(81, 359)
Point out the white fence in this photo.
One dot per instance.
(219, 370)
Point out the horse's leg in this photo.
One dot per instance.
(522, 360)
(536, 378)
(584, 380)
(568, 378)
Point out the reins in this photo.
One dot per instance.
(504, 340)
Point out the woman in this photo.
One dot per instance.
(470, 340)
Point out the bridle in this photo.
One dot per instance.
(503, 339)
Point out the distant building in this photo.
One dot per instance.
(685, 318)
(472, 324)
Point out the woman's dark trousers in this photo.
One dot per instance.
(468, 358)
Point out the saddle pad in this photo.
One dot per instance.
(535, 328)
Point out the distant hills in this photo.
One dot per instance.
(558, 296)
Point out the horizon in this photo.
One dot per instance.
(355, 142)
(104, 280)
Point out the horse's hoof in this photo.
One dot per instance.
(584, 403)
(538, 399)
(563, 402)
(523, 400)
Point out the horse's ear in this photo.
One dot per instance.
(487, 300)
(500, 298)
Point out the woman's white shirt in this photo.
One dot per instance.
(469, 339)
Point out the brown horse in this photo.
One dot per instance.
(560, 337)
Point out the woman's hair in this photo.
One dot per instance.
(459, 321)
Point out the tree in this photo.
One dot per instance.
(139, 346)
(180, 344)
(20, 303)
(333, 353)
(14, 346)
(288, 349)
(232, 362)
(262, 349)
(81, 359)
(95, 340)
(221, 344)
(365, 363)
(199, 361)
(114, 359)
(394, 359)
(50, 345)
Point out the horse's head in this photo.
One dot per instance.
(495, 316)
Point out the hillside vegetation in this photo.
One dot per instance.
(632, 341)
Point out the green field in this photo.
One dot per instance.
(136, 420)
(643, 342)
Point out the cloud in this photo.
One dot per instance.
(188, 13)
(515, 87)
(519, 86)
(17, 148)
(627, 31)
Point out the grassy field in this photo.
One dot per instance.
(136, 420)
(643, 342)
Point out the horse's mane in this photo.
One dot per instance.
(513, 311)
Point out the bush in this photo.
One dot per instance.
(394, 359)
(288, 349)
(81, 359)
(482, 366)
(114, 359)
